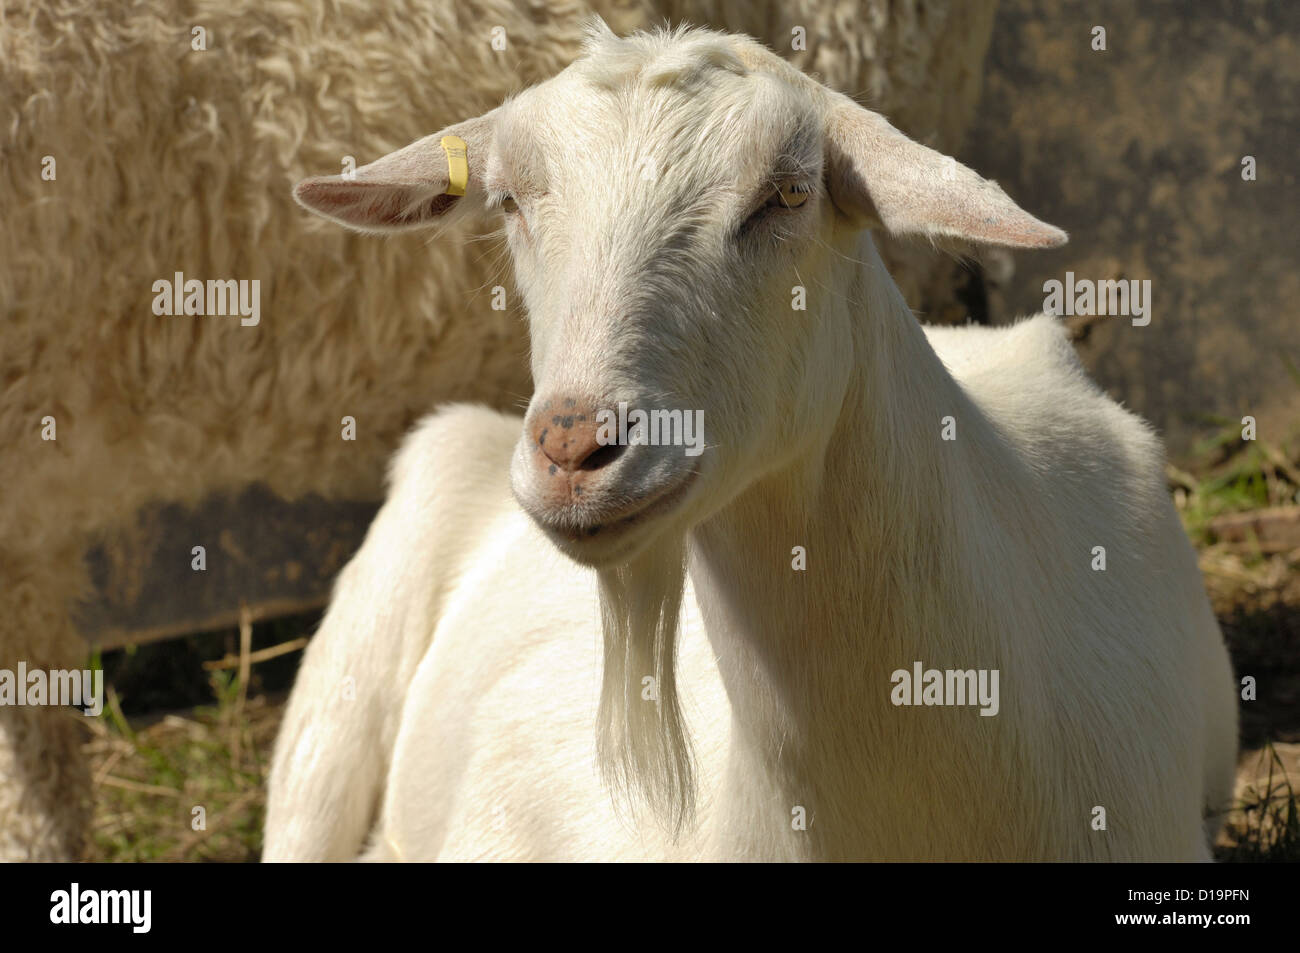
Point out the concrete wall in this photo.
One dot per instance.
(1136, 151)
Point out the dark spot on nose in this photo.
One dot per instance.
(577, 491)
(569, 402)
(592, 531)
(576, 439)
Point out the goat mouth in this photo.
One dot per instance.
(576, 533)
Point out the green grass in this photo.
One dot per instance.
(1234, 476)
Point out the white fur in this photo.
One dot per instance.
(478, 650)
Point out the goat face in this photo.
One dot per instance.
(666, 233)
(681, 209)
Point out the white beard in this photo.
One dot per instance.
(642, 744)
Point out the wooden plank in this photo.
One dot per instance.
(276, 556)
(1277, 529)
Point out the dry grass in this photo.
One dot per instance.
(150, 780)
(1265, 824)
(153, 771)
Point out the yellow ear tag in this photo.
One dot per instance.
(457, 164)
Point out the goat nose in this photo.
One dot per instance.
(569, 438)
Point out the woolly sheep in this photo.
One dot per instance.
(946, 488)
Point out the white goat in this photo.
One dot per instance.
(663, 195)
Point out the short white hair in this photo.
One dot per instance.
(662, 57)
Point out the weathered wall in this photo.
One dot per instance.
(1136, 151)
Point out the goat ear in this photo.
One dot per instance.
(410, 188)
(879, 177)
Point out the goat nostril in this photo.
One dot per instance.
(602, 456)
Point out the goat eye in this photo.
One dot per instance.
(509, 205)
(789, 195)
